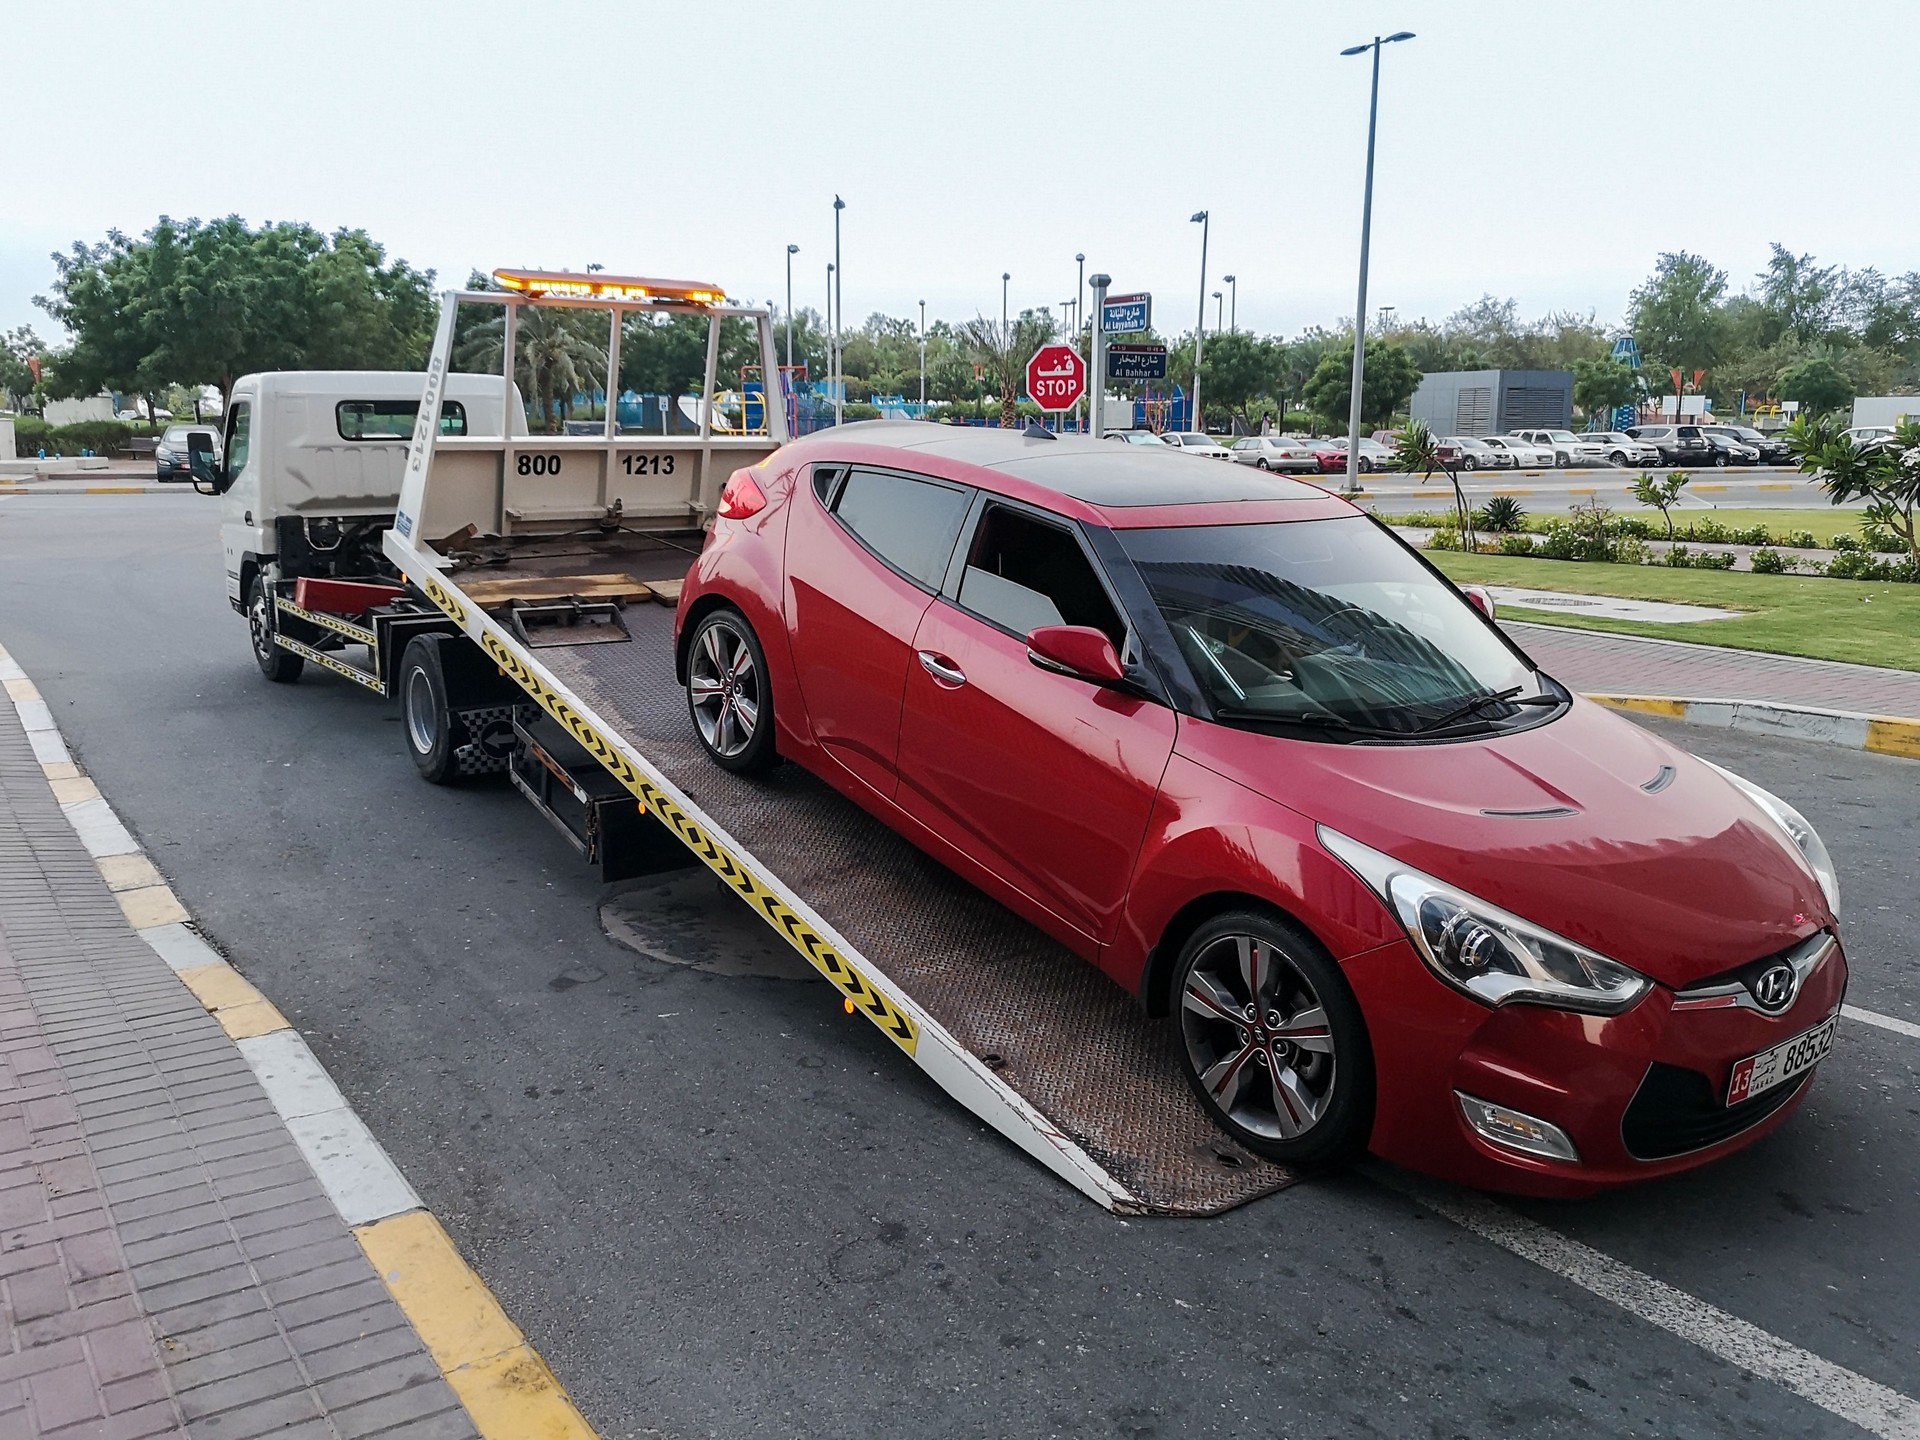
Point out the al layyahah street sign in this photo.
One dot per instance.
(1126, 314)
(1137, 362)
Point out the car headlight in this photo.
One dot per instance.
(1486, 952)
(1807, 843)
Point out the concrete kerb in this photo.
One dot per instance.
(507, 1389)
(1883, 734)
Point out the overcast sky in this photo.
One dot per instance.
(1544, 149)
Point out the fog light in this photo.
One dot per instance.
(1515, 1129)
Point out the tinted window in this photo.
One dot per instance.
(1023, 573)
(392, 419)
(239, 433)
(911, 524)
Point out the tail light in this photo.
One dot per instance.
(741, 497)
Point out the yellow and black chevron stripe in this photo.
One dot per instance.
(339, 667)
(894, 1023)
(445, 599)
(330, 622)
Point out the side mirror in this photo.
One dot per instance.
(206, 476)
(1479, 599)
(1077, 650)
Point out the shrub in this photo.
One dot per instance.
(1631, 526)
(1678, 556)
(1516, 545)
(1502, 514)
(1800, 540)
(1768, 562)
(1714, 560)
(1846, 544)
(1856, 564)
(1754, 535)
(103, 437)
(1562, 542)
(1880, 538)
(1709, 531)
(1445, 538)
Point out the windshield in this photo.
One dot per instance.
(1327, 623)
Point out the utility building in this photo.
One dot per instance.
(1492, 402)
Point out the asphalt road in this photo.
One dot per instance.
(720, 1207)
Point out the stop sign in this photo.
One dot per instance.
(1056, 377)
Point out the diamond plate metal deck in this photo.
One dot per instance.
(1054, 1028)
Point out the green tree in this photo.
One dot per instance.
(1675, 313)
(20, 349)
(1818, 384)
(1391, 379)
(1601, 385)
(1659, 494)
(1416, 451)
(1237, 369)
(1003, 352)
(1885, 474)
(194, 303)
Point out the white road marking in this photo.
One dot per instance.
(1853, 1397)
(1885, 1022)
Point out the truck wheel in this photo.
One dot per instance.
(728, 695)
(425, 715)
(283, 667)
(1272, 1040)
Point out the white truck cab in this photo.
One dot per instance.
(311, 461)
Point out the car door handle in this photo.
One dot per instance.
(943, 670)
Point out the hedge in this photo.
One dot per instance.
(31, 434)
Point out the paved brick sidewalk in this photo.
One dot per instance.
(1626, 664)
(169, 1263)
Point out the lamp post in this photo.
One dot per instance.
(839, 313)
(1006, 335)
(831, 332)
(1080, 292)
(923, 359)
(1196, 418)
(1233, 301)
(792, 250)
(1219, 312)
(1366, 233)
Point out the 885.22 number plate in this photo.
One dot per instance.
(1760, 1073)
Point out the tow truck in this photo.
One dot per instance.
(505, 606)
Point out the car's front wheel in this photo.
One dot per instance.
(1365, 467)
(1720, 460)
(1467, 463)
(1272, 1040)
(728, 695)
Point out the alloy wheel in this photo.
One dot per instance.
(1258, 1037)
(724, 686)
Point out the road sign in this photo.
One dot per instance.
(1126, 314)
(1056, 377)
(1137, 362)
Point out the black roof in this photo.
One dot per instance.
(1100, 472)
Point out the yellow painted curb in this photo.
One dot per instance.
(243, 1022)
(1709, 486)
(1774, 485)
(507, 1388)
(22, 690)
(1645, 704)
(60, 770)
(240, 1009)
(128, 872)
(151, 905)
(114, 490)
(1892, 736)
(74, 789)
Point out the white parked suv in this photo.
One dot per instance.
(1568, 448)
(1623, 449)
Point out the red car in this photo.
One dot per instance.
(1233, 742)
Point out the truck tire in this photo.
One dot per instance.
(426, 718)
(283, 667)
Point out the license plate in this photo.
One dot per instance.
(1759, 1073)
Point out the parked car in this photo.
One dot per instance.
(1396, 887)
(1331, 456)
(1276, 452)
(1192, 442)
(1470, 452)
(170, 451)
(1677, 444)
(1728, 451)
(1623, 449)
(1772, 449)
(1373, 454)
(1526, 454)
(1863, 435)
(1136, 437)
(1568, 448)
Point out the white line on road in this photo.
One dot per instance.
(1834, 1388)
(1885, 1022)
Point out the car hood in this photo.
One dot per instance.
(1588, 825)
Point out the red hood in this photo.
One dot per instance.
(1680, 882)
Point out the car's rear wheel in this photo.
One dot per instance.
(728, 695)
(1467, 463)
(1720, 459)
(1272, 1040)
(1262, 463)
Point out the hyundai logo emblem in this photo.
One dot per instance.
(1773, 987)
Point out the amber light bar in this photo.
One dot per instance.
(596, 286)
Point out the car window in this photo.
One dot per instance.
(239, 431)
(1023, 573)
(908, 522)
(392, 419)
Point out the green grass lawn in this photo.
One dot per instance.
(1823, 521)
(1867, 623)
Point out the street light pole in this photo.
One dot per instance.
(1006, 335)
(792, 250)
(831, 333)
(1366, 235)
(839, 314)
(1196, 418)
(1219, 312)
(1233, 302)
(923, 359)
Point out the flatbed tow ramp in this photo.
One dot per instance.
(1024, 1034)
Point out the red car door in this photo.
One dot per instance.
(1044, 779)
(866, 549)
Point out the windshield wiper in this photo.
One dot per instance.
(1316, 719)
(1480, 702)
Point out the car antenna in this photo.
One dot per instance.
(1036, 431)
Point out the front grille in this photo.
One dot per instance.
(1676, 1110)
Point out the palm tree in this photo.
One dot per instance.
(1004, 352)
(553, 357)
